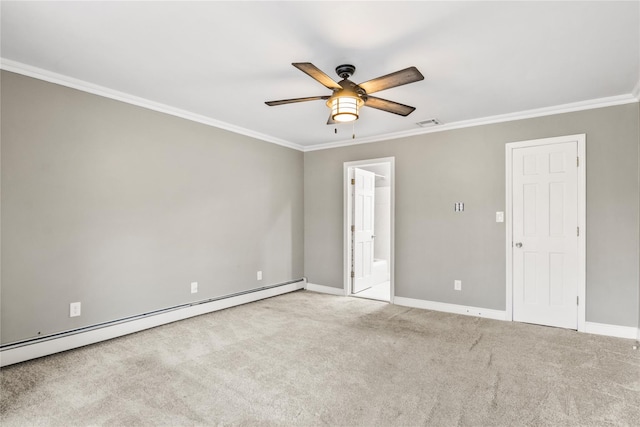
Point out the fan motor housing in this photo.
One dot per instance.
(345, 70)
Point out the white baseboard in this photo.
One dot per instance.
(68, 342)
(325, 289)
(590, 327)
(451, 308)
(611, 330)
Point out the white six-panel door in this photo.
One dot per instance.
(363, 236)
(545, 234)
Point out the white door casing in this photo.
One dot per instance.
(363, 225)
(545, 247)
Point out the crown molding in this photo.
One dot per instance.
(527, 114)
(41, 74)
(51, 77)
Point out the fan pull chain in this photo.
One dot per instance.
(353, 131)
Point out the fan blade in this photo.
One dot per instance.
(330, 121)
(316, 74)
(291, 101)
(399, 78)
(389, 106)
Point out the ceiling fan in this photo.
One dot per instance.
(348, 97)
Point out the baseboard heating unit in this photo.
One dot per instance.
(42, 346)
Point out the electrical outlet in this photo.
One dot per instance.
(259, 275)
(74, 309)
(194, 287)
(457, 285)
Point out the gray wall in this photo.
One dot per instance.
(120, 208)
(434, 245)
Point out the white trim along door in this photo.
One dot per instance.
(545, 231)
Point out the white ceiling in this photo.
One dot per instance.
(218, 62)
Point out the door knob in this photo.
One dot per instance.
(518, 245)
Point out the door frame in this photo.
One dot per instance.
(580, 139)
(347, 220)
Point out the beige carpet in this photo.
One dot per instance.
(311, 359)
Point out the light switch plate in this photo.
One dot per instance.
(194, 287)
(457, 285)
(499, 216)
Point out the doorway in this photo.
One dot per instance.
(368, 228)
(545, 183)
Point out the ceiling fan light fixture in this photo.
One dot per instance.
(345, 108)
(347, 97)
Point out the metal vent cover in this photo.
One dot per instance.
(428, 123)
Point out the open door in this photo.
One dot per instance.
(363, 230)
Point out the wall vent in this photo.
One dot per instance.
(428, 123)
